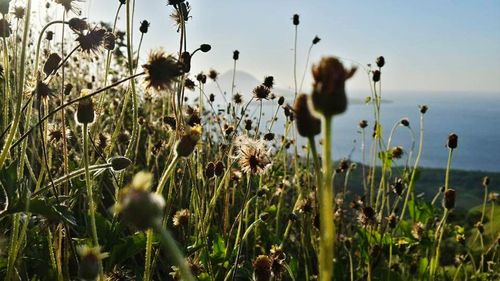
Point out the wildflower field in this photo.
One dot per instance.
(108, 171)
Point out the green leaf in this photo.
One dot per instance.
(219, 249)
(127, 248)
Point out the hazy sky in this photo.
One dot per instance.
(428, 45)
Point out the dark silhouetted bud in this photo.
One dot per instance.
(77, 25)
(170, 121)
(398, 186)
(85, 112)
(186, 62)
(212, 74)
(316, 40)
(380, 61)
(281, 100)
(202, 78)
(405, 122)
(262, 268)
(269, 137)
(268, 81)
(307, 124)
(452, 141)
(423, 109)
(144, 26)
(486, 181)
(210, 170)
(119, 163)
(5, 29)
(329, 97)
(49, 35)
(296, 20)
(219, 169)
(51, 64)
(376, 76)
(363, 124)
(205, 48)
(264, 216)
(67, 89)
(449, 199)
(236, 55)
(212, 97)
(248, 124)
(89, 262)
(123, 2)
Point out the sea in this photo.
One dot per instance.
(474, 117)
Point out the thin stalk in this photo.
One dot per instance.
(90, 193)
(326, 195)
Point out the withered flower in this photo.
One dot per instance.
(181, 217)
(92, 40)
(262, 268)
(70, 5)
(328, 96)
(261, 92)
(253, 156)
(161, 71)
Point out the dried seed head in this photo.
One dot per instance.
(5, 29)
(392, 220)
(89, 262)
(238, 98)
(49, 35)
(161, 71)
(329, 97)
(486, 181)
(202, 78)
(261, 92)
(67, 89)
(186, 145)
(449, 199)
(269, 137)
(219, 169)
(185, 62)
(109, 41)
(78, 25)
(376, 76)
(205, 48)
(189, 84)
(144, 26)
(236, 55)
(316, 40)
(51, 64)
(69, 5)
(210, 170)
(307, 124)
(480, 227)
(296, 20)
(363, 124)
(397, 152)
(181, 218)
(452, 141)
(19, 12)
(405, 122)
(42, 90)
(380, 61)
(91, 41)
(268, 82)
(398, 186)
(212, 74)
(262, 268)
(417, 231)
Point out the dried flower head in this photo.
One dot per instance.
(253, 155)
(328, 96)
(212, 74)
(262, 268)
(452, 141)
(19, 12)
(186, 145)
(144, 26)
(51, 64)
(261, 92)
(268, 82)
(367, 216)
(161, 71)
(70, 5)
(181, 217)
(89, 262)
(92, 40)
(417, 231)
(238, 98)
(56, 134)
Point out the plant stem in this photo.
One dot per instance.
(326, 195)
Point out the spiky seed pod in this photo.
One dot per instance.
(295, 19)
(211, 97)
(449, 199)
(210, 170)
(219, 169)
(380, 61)
(109, 41)
(19, 12)
(236, 55)
(316, 40)
(161, 71)
(42, 90)
(268, 82)
(5, 29)
(186, 145)
(238, 98)
(144, 26)
(261, 92)
(329, 97)
(202, 78)
(189, 84)
(51, 64)
(205, 48)
(85, 112)
(307, 124)
(423, 108)
(262, 268)
(376, 76)
(452, 141)
(78, 25)
(119, 163)
(91, 41)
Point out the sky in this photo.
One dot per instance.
(428, 45)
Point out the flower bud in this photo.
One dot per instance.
(5, 29)
(236, 55)
(376, 76)
(144, 26)
(89, 262)
(219, 169)
(210, 170)
(281, 100)
(316, 40)
(51, 64)
(77, 24)
(262, 268)
(405, 122)
(452, 141)
(85, 111)
(49, 35)
(109, 41)
(296, 19)
(205, 48)
(186, 145)
(486, 181)
(380, 61)
(119, 163)
(449, 199)
(423, 108)
(307, 124)
(329, 97)
(363, 124)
